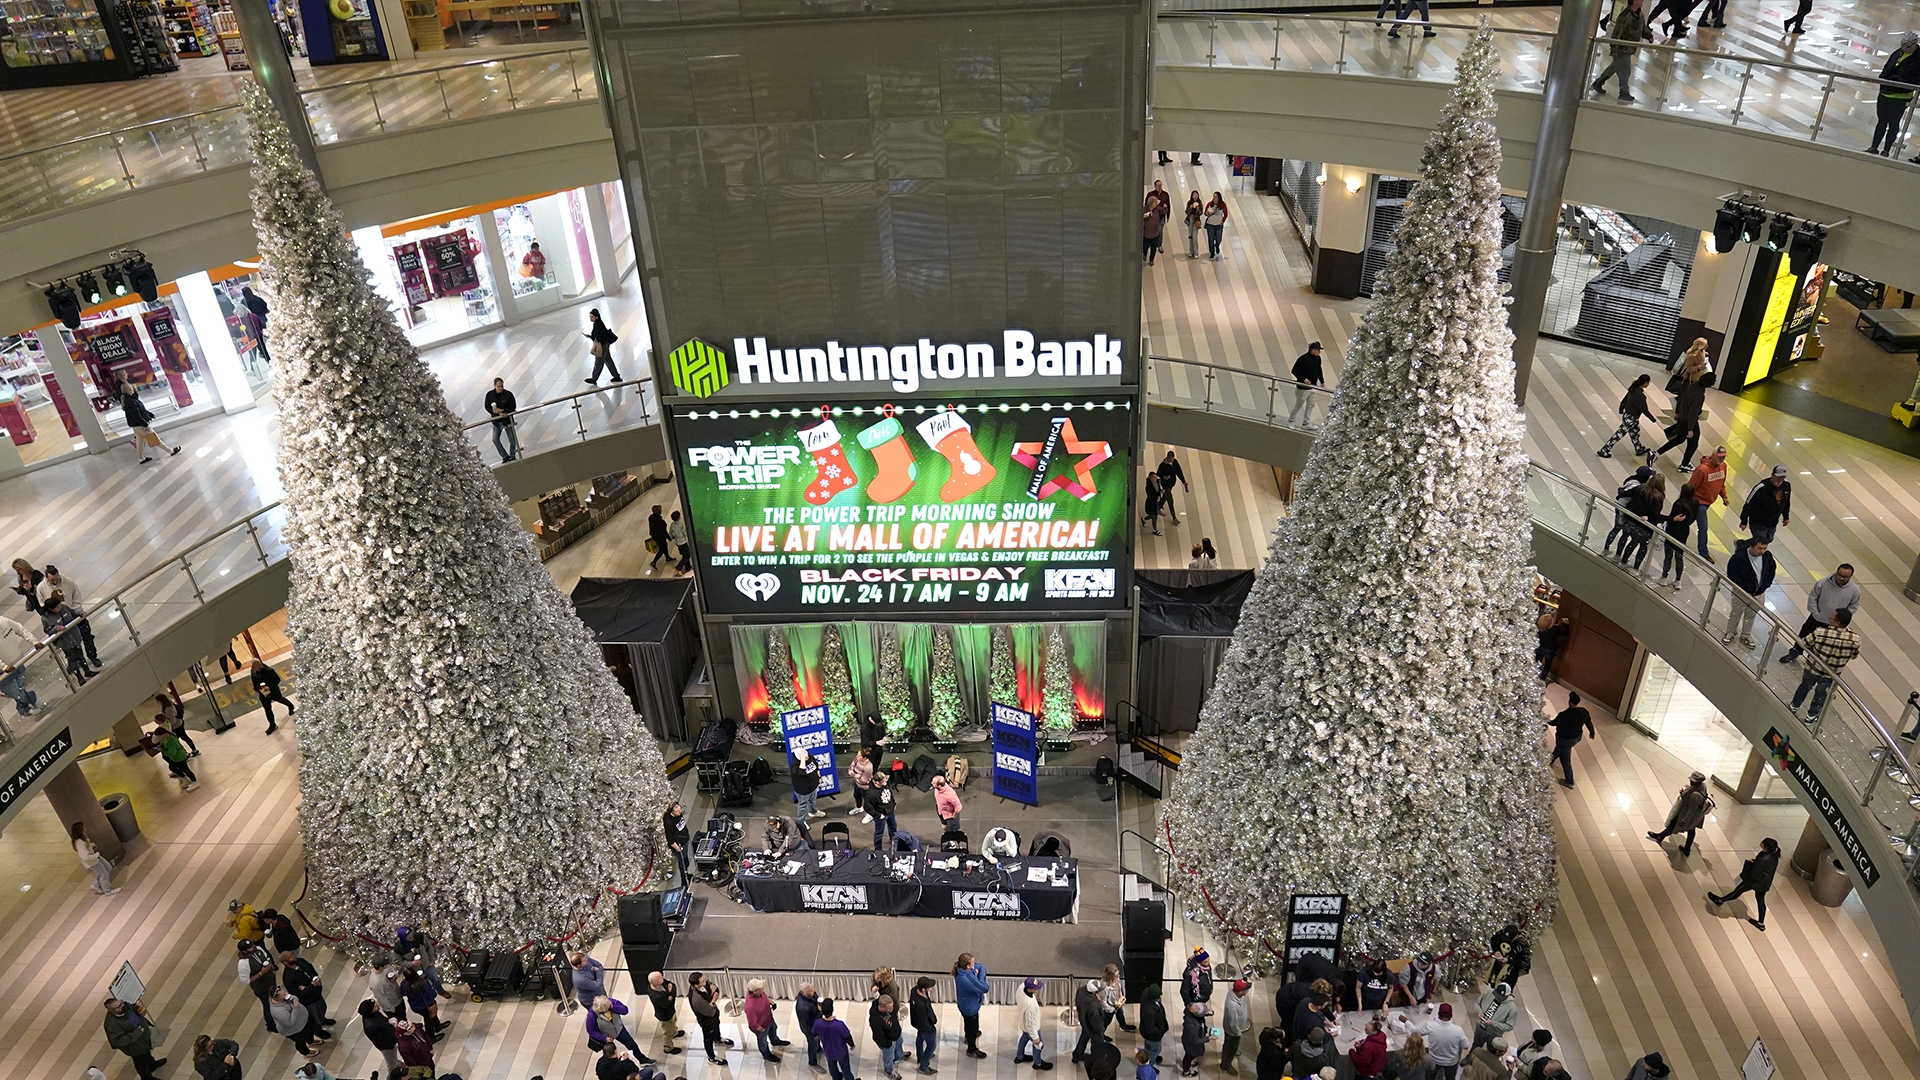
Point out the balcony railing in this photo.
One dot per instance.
(112, 163)
(190, 579)
(1822, 105)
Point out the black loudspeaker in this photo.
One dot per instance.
(641, 922)
(644, 959)
(1143, 926)
(1139, 971)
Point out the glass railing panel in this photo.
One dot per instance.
(475, 90)
(80, 172)
(549, 79)
(221, 138)
(110, 636)
(223, 561)
(352, 111)
(155, 602)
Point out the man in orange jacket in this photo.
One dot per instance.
(1709, 483)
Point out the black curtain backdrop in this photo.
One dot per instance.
(651, 622)
(1186, 619)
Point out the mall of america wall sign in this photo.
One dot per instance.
(981, 505)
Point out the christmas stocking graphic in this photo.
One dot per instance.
(887, 442)
(953, 437)
(831, 472)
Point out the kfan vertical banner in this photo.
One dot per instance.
(812, 730)
(1015, 753)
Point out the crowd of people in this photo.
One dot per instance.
(1209, 215)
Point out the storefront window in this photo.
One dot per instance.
(147, 346)
(1688, 726)
(247, 328)
(444, 280)
(548, 249)
(36, 415)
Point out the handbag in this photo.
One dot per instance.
(653, 546)
(149, 438)
(599, 350)
(596, 1045)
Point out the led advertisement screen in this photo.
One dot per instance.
(984, 505)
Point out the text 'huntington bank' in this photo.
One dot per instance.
(1018, 356)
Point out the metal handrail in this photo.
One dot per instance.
(483, 62)
(115, 600)
(1120, 851)
(1718, 578)
(144, 124)
(1736, 58)
(1245, 16)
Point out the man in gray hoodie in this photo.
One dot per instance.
(1234, 1022)
(1828, 595)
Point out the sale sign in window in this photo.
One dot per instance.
(986, 505)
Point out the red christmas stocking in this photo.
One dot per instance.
(953, 437)
(887, 442)
(831, 472)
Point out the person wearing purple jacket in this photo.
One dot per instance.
(836, 1043)
(607, 1022)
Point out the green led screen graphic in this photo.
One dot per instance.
(987, 505)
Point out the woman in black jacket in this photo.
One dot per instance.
(603, 338)
(1633, 406)
(140, 422)
(1647, 503)
(1688, 402)
(1756, 877)
(216, 1059)
(1679, 524)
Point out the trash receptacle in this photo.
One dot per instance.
(1830, 882)
(119, 811)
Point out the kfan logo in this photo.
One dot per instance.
(986, 905)
(834, 897)
(1077, 583)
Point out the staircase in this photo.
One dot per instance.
(1144, 759)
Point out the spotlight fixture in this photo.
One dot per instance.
(65, 305)
(89, 288)
(116, 281)
(1779, 232)
(1726, 228)
(1805, 250)
(1752, 218)
(141, 276)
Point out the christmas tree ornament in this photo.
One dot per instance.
(892, 460)
(968, 469)
(1374, 730)
(468, 764)
(832, 473)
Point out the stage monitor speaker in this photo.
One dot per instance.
(641, 921)
(1138, 971)
(642, 959)
(1143, 926)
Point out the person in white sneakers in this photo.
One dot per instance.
(97, 864)
(1032, 1038)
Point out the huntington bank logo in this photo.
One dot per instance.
(699, 369)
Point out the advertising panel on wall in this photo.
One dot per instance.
(974, 505)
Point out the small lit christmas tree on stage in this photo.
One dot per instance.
(1374, 728)
(469, 764)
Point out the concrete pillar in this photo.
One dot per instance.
(230, 383)
(1552, 150)
(1713, 298)
(606, 260)
(73, 800)
(68, 380)
(127, 732)
(496, 255)
(267, 55)
(1340, 236)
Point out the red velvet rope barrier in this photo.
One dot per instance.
(305, 880)
(1167, 829)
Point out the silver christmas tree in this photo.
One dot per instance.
(469, 764)
(1373, 730)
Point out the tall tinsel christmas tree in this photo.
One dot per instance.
(1373, 730)
(469, 765)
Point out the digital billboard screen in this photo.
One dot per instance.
(983, 505)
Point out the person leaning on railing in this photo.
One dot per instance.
(1903, 66)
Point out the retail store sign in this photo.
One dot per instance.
(1790, 763)
(1018, 358)
(37, 766)
(988, 505)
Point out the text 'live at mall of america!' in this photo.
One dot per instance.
(991, 500)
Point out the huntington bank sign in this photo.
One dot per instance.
(1019, 358)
